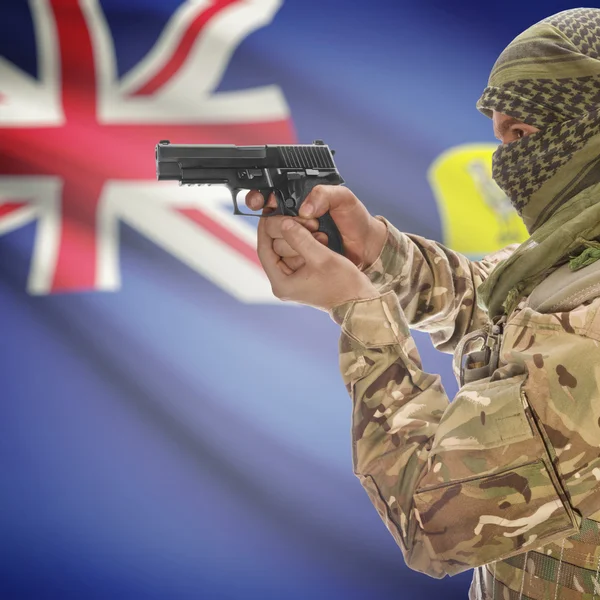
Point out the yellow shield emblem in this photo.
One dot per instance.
(477, 217)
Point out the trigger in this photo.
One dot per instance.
(266, 194)
(277, 208)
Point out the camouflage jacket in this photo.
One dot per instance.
(513, 463)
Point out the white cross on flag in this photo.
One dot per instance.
(77, 144)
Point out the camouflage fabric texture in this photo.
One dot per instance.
(537, 571)
(511, 467)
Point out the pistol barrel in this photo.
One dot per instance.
(173, 159)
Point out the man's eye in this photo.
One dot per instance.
(519, 133)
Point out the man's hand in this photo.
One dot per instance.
(325, 280)
(363, 235)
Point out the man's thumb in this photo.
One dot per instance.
(326, 198)
(301, 240)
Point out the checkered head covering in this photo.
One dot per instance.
(549, 77)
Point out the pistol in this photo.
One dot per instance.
(290, 172)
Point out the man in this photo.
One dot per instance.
(506, 478)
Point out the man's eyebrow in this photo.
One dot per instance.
(505, 126)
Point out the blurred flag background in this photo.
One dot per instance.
(169, 429)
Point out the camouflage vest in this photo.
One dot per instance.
(574, 563)
(569, 570)
(561, 291)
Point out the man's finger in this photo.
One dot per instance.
(319, 201)
(294, 262)
(273, 225)
(254, 200)
(310, 224)
(325, 198)
(285, 268)
(268, 258)
(302, 241)
(321, 237)
(283, 249)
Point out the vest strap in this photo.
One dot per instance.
(565, 289)
(485, 588)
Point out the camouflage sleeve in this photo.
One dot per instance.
(457, 484)
(436, 286)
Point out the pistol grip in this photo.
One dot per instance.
(327, 225)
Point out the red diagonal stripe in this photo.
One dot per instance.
(183, 49)
(221, 233)
(8, 207)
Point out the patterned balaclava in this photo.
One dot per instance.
(549, 77)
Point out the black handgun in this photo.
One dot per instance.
(288, 171)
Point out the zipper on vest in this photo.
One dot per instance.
(551, 455)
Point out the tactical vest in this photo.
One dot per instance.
(574, 563)
(568, 570)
